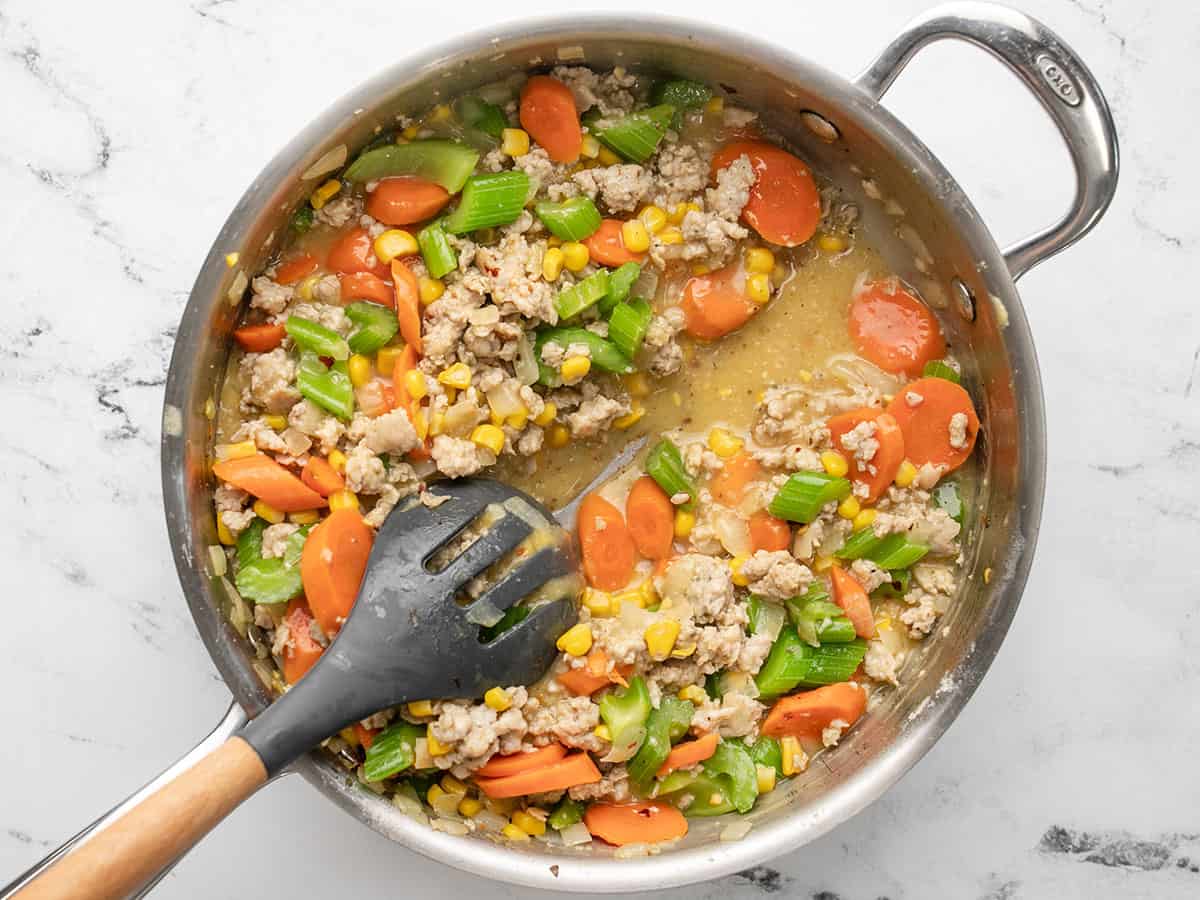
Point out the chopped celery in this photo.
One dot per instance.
(712, 685)
(732, 760)
(268, 581)
(571, 220)
(793, 663)
(804, 493)
(625, 712)
(765, 616)
(493, 199)
(896, 586)
(859, 544)
(820, 621)
(512, 616)
(698, 794)
(604, 353)
(329, 388)
(681, 94)
(302, 220)
(666, 724)
(664, 464)
(635, 135)
(575, 299)
(566, 814)
(436, 250)
(947, 496)
(935, 368)
(392, 751)
(628, 324)
(766, 752)
(897, 552)
(376, 325)
(448, 163)
(620, 282)
(480, 115)
(314, 336)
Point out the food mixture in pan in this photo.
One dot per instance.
(519, 283)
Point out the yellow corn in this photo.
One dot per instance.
(429, 289)
(660, 638)
(224, 535)
(554, 241)
(823, 564)
(685, 521)
(671, 235)
(236, 451)
(497, 698)
(434, 794)
(758, 288)
(266, 511)
(437, 424)
(410, 133)
(440, 113)
(503, 806)
(546, 416)
(631, 418)
(414, 384)
(231, 259)
(552, 264)
(514, 833)
(849, 508)
(576, 640)
(760, 259)
(210, 409)
(436, 747)
(420, 708)
(794, 758)
(488, 436)
(831, 243)
(531, 825)
(304, 290)
(906, 474)
(607, 157)
(699, 269)
(654, 218)
(344, 499)
(393, 243)
(715, 105)
(834, 464)
(469, 807)
(420, 422)
(637, 384)
(337, 459)
(590, 148)
(456, 376)
(735, 566)
(603, 732)
(385, 359)
(693, 693)
(514, 141)
(496, 418)
(884, 624)
(575, 369)
(987, 575)
(559, 435)
(349, 735)
(452, 785)
(804, 375)
(724, 443)
(597, 602)
(864, 519)
(680, 211)
(360, 370)
(635, 237)
(277, 423)
(766, 778)
(518, 420)
(575, 255)
(325, 193)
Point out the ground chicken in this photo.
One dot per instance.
(880, 663)
(596, 415)
(275, 538)
(268, 296)
(734, 715)
(270, 382)
(613, 787)
(570, 721)
(391, 433)
(908, 511)
(729, 197)
(682, 173)
(445, 321)
(703, 583)
(325, 313)
(958, 431)
(515, 269)
(862, 445)
(365, 471)
(308, 418)
(776, 574)
(456, 457)
(610, 93)
(664, 353)
(869, 575)
(621, 188)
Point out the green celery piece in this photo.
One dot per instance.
(733, 760)
(302, 220)
(620, 283)
(897, 586)
(712, 684)
(447, 163)
(698, 789)
(805, 493)
(393, 750)
(329, 388)
(820, 621)
(682, 94)
(947, 496)
(496, 198)
(636, 135)
(753, 604)
(268, 581)
(571, 220)
(664, 464)
(249, 543)
(766, 752)
(512, 616)
(897, 552)
(567, 813)
(603, 352)
(667, 723)
(310, 335)
(935, 368)
(628, 324)
(625, 712)
(573, 300)
(480, 115)
(436, 250)
(376, 325)
(793, 663)
(859, 545)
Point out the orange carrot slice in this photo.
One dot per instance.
(852, 598)
(886, 460)
(366, 736)
(302, 649)
(259, 338)
(268, 481)
(650, 516)
(293, 269)
(635, 823)
(355, 252)
(548, 113)
(406, 199)
(768, 532)
(689, 753)
(605, 544)
(893, 329)
(927, 426)
(577, 768)
(784, 206)
(588, 679)
(514, 763)
(323, 478)
(408, 305)
(806, 715)
(715, 304)
(332, 565)
(365, 286)
(728, 485)
(607, 245)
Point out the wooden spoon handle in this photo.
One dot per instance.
(125, 855)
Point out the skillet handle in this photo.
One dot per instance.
(88, 845)
(1061, 83)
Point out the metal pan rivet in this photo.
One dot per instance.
(820, 126)
(964, 298)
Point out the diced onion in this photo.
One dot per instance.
(525, 364)
(854, 371)
(449, 826)
(771, 617)
(446, 803)
(410, 806)
(486, 820)
(483, 612)
(574, 835)
(333, 159)
(733, 532)
(218, 560)
(505, 399)
(736, 830)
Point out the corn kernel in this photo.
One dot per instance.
(224, 535)
(496, 418)
(266, 511)
(590, 148)
(760, 259)
(434, 794)
(304, 517)
(231, 259)
(385, 359)
(834, 464)
(277, 423)
(546, 416)
(518, 420)
(631, 418)
(437, 424)
(654, 218)
(766, 778)
(420, 709)
(554, 241)
(671, 235)
(429, 289)
(502, 806)
(497, 698)
(559, 435)
(531, 825)
(685, 521)
(410, 133)
(735, 566)
(699, 269)
(452, 785)
(607, 157)
(987, 575)
(884, 624)
(304, 290)
(864, 519)
(849, 508)
(337, 459)
(489, 436)
(660, 638)
(436, 747)
(514, 833)
(236, 451)
(344, 499)
(635, 237)
(597, 602)
(693, 693)
(794, 758)
(514, 141)
(715, 105)
(420, 422)
(823, 564)
(440, 113)
(906, 474)
(575, 255)
(637, 384)
(603, 732)
(414, 384)
(210, 409)
(456, 376)
(758, 288)
(349, 735)
(680, 211)
(360, 370)
(723, 443)
(804, 375)
(576, 640)
(469, 807)
(575, 368)
(393, 243)
(552, 264)
(831, 243)
(325, 193)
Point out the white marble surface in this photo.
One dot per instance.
(128, 133)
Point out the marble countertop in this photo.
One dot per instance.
(129, 133)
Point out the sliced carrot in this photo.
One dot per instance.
(576, 768)
(323, 478)
(408, 305)
(268, 481)
(852, 598)
(716, 304)
(332, 564)
(366, 286)
(728, 485)
(651, 518)
(292, 270)
(514, 763)
(548, 113)
(605, 544)
(607, 245)
(893, 329)
(259, 338)
(880, 470)
(784, 206)
(355, 252)
(635, 823)
(406, 199)
(593, 676)
(366, 736)
(926, 426)
(806, 715)
(768, 532)
(302, 649)
(689, 753)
